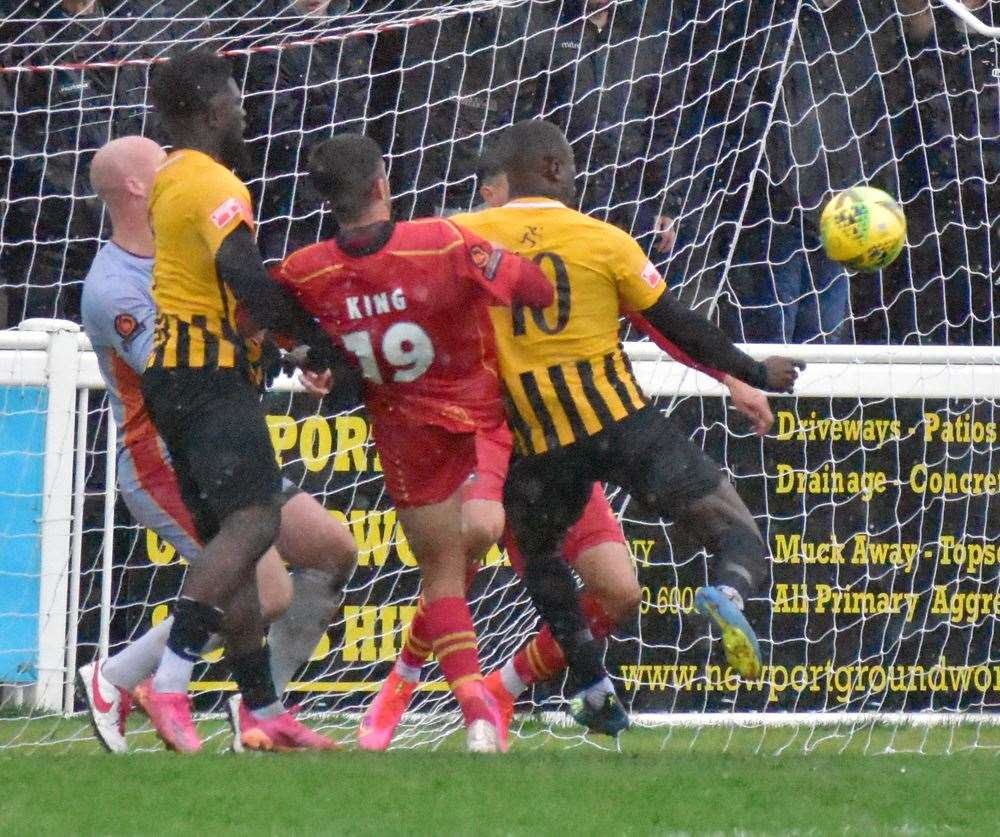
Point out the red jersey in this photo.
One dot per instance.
(409, 301)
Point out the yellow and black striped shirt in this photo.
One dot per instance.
(564, 371)
(195, 203)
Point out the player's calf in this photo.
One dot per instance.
(739, 569)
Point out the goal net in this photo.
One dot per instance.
(736, 121)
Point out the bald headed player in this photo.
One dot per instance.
(579, 416)
(118, 316)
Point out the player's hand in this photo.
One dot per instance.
(317, 384)
(782, 373)
(666, 234)
(752, 403)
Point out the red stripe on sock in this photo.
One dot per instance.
(542, 658)
(417, 647)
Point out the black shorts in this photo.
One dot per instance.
(213, 425)
(644, 453)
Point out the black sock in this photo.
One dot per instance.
(194, 622)
(553, 591)
(252, 673)
(741, 559)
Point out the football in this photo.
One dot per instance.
(863, 228)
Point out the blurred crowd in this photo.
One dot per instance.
(713, 131)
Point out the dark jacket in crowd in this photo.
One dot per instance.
(294, 98)
(462, 79)
(611, 89)
(829, 130)
(52, 221)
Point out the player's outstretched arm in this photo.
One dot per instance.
(708, 345)
(240, 266)
(747, 399)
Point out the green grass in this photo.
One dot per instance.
(717, 781)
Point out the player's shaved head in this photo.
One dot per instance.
(124, 168)
(538, 160)
(346, 170)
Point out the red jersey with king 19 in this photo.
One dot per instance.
(410, 302)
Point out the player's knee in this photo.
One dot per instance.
(478, 537)
(274, 586)
(622, 603)
(311, 538)
(722, 509)
(334, 551)
(482, 526)
(274, 601)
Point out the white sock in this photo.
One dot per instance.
(411, 674)
(731, 594)
(272, 710)
(173, 674)
(139, 659)
(510, 679)
(596, 694)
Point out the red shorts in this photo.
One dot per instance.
(596, 525)
(425, 464)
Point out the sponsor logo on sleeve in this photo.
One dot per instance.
(229, 209)
(651, 276)
(127, 327)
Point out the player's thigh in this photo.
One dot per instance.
(543, 496)
(483, 516)
(660, 466)
(274, 585)
(151, 492)
(311, 538)
(595, 547)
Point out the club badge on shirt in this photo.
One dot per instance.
(127, 327)
(487, 261)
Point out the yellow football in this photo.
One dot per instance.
(863, 228)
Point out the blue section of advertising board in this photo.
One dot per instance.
(22, 449)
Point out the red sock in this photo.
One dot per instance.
(449, 624)
(541, 658)
(417, 647)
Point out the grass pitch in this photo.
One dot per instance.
(781, 781)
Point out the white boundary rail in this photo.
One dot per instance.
(56, 355)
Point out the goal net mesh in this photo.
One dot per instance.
(735, 121)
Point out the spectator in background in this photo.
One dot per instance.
(295, 97)
(827, 134)
(610, 88)
(52, 222)
(462, 79)
(947, 130)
